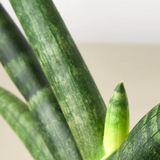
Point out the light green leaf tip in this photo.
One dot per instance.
(117, 120)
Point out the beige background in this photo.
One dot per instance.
(138, 66)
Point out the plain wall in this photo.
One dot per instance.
(109, 21)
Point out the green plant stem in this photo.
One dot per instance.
(23, 68)
(66, 72)
(117, 120)
(17, 114)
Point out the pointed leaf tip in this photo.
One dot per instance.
(120, 87)
(117, 120)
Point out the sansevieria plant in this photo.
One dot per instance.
(65, 117)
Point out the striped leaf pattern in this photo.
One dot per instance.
(67, 73)
(19, 61)
(18, 116)
(143, 142)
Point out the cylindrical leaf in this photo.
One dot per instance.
(17, 114)
(66, 72)
(23, 68)
(117, 120)
(143, 142)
